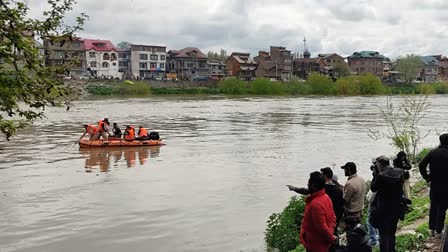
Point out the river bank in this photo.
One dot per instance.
(366, 85)
(412, 234)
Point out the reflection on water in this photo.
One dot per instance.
(104, 158)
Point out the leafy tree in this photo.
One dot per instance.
(27, 86)
(410, 67)
(341, 69)
(320, 84)
(221, 56)
(124, 45)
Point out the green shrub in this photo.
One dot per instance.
(421, 155)
(121, 88)
(232, 86)
(370, 85)
(283, 228)
(264, 86)
(404, 89)
(347, 86)
(299, 248)
(296, 87)
(320, 84)
(441, 88)
(426, 89)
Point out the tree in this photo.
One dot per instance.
(402, 120)
(124, 45)
(341, 69)
(27, 86)
(221, 56)
(409, 67)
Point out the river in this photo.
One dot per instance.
(211, 188)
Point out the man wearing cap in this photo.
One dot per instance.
(387, 183)
(354, 194)
(437, 160)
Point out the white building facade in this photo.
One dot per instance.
(148, 62)
(102, 59)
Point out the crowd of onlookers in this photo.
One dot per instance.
(333, 211)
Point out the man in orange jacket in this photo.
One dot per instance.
(92, 130)
(142, 134)
(319, 220)
(103, 129)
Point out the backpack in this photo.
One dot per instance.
(153, 135)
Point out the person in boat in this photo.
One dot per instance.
(129, 133)
(116, 131)
(92, 130)
(142, 134)
(103, 129)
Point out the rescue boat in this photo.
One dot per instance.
(86, 143)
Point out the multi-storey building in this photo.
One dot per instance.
(365, 62)
(102, 58)
(124, 63)
(241, 65)
(148, 61)
(216, 69)
(276, 64)
(69, 52)
(188, 64)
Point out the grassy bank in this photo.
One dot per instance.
(283, 228)
(315, 85)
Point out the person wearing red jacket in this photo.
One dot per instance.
(319, 219)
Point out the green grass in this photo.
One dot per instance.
(185, 91)
(418, 187)
(420, 208)
(119, 88)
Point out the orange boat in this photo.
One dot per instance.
(85, 143)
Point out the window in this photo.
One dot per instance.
(105, 65)
(143, 65)
(114, 56)
(76, 44)
(106, 56)
(201, 64)
(58, 54)
(162, 65)
(153, 65)
(92, 64)
(162, 57)
(114, 63)
(92, 54)
(143, 56)
(154, 57)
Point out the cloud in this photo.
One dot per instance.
(341, 26)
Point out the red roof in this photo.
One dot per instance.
(99, 45)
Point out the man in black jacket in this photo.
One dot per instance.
(388, 184)
(438, 173)
(332, 189)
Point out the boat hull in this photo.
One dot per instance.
(85, 143)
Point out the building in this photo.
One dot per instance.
(69, 52)
(102, 58)
(328, 61)
(276, 64)
(366, 62)
(303, 67)
(430, 69)
(124, 63)
(216, 69)
(148, 61)
(188, 64)
(241, 65)
(443, 69)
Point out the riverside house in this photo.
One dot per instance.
(102, 58)
(188, 64)
(365, 62)
(148, 61)
(66, 52)
(241, 65)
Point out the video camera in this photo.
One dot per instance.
(374, 167)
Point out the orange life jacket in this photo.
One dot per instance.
(142, 132)
(102, 124)
(92, 129)
(129, 134)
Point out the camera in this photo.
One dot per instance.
(374, 168)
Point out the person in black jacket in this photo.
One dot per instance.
(387, 182)
(116, 131)
(332, 189)
(438, 173)
(402, 162)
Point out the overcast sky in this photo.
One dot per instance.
(343, 26)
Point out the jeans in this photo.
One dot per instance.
(373, 232)
(387, 232)
(437, 210)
